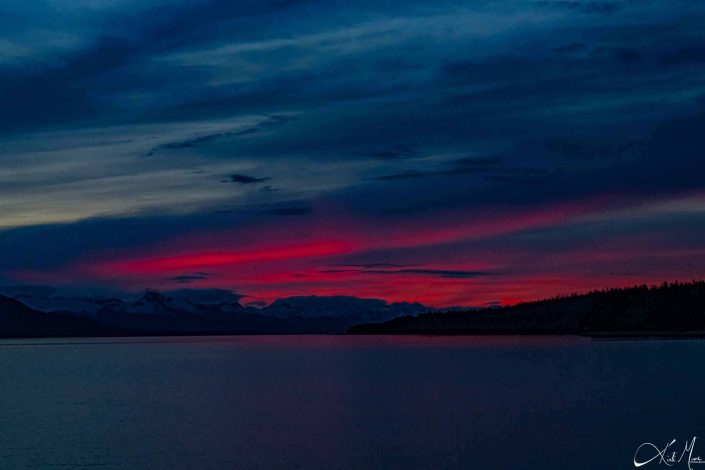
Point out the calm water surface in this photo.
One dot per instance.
(336, 402)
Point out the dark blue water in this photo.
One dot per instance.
(340, 402)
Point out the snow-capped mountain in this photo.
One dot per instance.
(179, 313)
(341, 307)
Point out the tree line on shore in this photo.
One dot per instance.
(669, 308)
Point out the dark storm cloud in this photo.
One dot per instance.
(372, 265)
(412, 175)
(423, 174)
(188, 278)
(570, 48)
(245, 179)
(686, 55)
(440, 273)
(583, 6)
(477, 162)
(628, 55)
(289, 211)
(583, 149)
(268, 123)
(462, 166)
(395, 153)
(27, 247)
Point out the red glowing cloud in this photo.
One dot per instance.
(433, 260)
(207, 260)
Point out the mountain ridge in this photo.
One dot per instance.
(157, 314)
(20, 321)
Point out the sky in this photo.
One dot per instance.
(451, 153)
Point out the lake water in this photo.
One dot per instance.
(336, 402)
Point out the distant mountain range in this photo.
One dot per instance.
(668, 309)
(676, 309)
(19, 321)
(38, 314)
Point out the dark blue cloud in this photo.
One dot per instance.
(583, 6)
(188, 278)
(270, 122)
(289, 211)
(48, 246)
(245, 179)
(441, 273)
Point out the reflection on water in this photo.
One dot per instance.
(344, 402)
